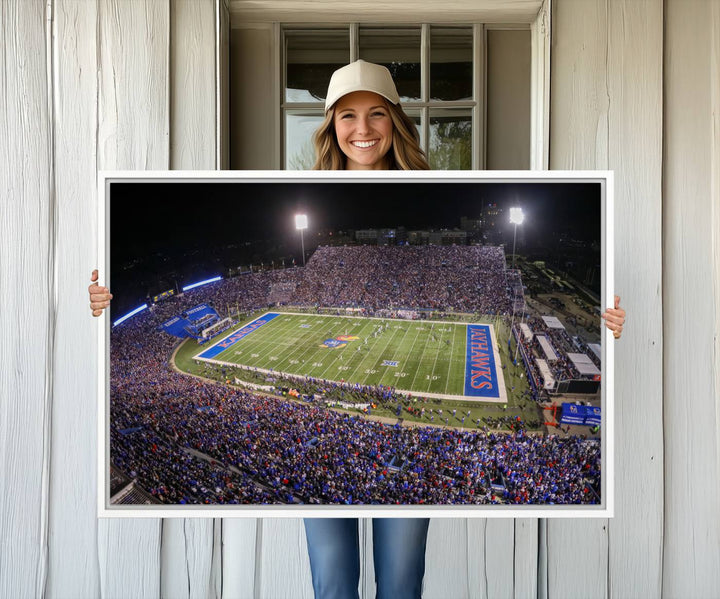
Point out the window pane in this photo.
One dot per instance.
(451, 55)
(508, 100)
(299, 150)
(450, 139)
(311, 58)
(414, 115)
(399, 51)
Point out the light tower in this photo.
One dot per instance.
(516, 218)
(301, 223)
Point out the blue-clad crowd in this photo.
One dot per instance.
(187, 440)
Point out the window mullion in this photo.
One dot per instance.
(425, 85)
(479, 128)
(354, 41)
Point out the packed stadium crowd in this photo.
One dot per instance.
(186, 440)
(459, 278)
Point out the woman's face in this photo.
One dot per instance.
(364, 130)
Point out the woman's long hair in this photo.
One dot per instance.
(405, 154)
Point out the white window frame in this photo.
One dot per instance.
(476, 106)
(535, 15)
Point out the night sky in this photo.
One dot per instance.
(160, 232)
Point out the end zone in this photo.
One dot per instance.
(484, 379)
(235, 336)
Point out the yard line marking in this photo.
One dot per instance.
(411, 352)
(380, 357)
(370, 355)
(407, 330)
(450, 361)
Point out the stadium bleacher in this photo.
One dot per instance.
(262, 449)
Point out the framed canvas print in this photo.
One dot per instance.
(356, 344)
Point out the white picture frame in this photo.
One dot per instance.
(604, 509)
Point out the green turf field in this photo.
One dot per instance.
(429, 355)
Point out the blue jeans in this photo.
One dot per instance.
(398, 552)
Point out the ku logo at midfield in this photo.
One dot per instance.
(339, 341)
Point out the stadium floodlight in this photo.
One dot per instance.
(516, 218)
(129, 314)
(199, 283)
(301, 223)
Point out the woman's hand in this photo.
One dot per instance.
(615, 318)
(99, 296)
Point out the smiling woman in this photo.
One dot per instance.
(365, 127)
(364, 130)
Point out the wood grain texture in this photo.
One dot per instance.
(193, 85)
(133, 125)
(446, 558)
(499, 557)
(187, 558)
(129, 558)
(577, 550)
(607, 90)
(239, 557)
(525, 558)
(417, 11)
(715, 200)
(282, 569)
(607, 113)
(187, 544)
(26, 282)
(692, 396)
(490, 561)
(635, 535)
(73, 559)
(222, 60)
(540, 89)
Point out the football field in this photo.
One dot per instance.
(425, 358)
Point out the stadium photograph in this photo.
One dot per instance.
(345, 343)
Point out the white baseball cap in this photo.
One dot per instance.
(361, 76)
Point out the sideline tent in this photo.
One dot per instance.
(583, 364)
(552, 322)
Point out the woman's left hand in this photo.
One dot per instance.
(615, 318)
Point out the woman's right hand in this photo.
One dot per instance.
(99, 296)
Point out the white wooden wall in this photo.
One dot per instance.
(132, 85)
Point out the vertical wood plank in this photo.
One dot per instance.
(490, 563)
(27, 313)
(239, 558)
(73, 562)
(525, 559)
(635, 538)
(476, 560)
(577, 551)
(607, 113)
(446, 559)
(692, 307)
(578, 98)
(540, 89)
(282, 569)
(133, 125)
(367, 561)
(187, 558)
(192, 85)
(187, 544)
(222, 16)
